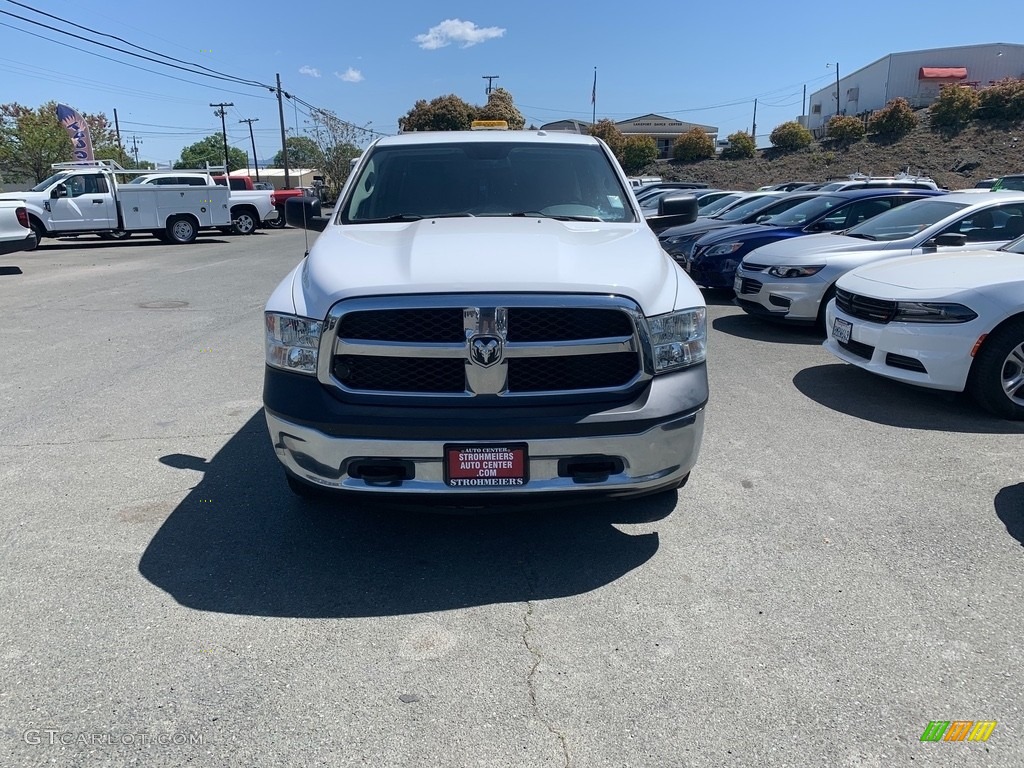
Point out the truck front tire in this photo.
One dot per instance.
(182, 230)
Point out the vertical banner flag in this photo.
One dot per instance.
(78, 131)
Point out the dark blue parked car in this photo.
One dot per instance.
(715, 256)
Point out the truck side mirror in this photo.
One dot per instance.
(60, 190)
(674, 210)
(304, 213)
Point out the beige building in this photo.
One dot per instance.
(664, 130)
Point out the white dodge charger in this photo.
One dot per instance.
(949, 321)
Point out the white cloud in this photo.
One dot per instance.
(350, 75)
(308, 70)
(456, 31)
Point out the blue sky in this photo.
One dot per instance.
(369, 62)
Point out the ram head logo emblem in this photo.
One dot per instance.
(485, 351)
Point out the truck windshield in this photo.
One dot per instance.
(42, 185)
(409, 182)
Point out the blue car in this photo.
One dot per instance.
(715, 256)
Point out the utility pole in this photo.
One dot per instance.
(117, 128)
(837, 87)
(221, 112)
(250, 121)
(803, 105)
(284, 141)
(490, 79)
(135, 149)
(753, 126)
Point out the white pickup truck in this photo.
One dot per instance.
(249, 207)
(486, 317)
(85, 198)
(15, 233)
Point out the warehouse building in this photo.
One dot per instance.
(915, 76)
(664, 130)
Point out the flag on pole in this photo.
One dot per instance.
(593, 92)
(78, 131)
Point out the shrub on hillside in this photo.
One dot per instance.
(790, 135)
(609, 133)
(955, 106)
(695, 144)
(1002, 101)
(741, 144)
(895, 119)
(638, 152)
(845, 128)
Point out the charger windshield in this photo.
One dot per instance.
(564, 181)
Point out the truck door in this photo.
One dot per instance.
(89, 204)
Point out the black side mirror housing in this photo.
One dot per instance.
(674, 210)
(946, 239)
(59, 191)
(304, 213)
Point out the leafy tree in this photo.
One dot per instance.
(610, 134)
(1004, 100)
(955, 106)
(638, 151)
(895, 119)
(741, 144)
(790, 135)
(445, 113)
(500, 106)
(31, 140)
(211, 150)
(845, 128)
(303, 152)
(338, 142)
(695, 144)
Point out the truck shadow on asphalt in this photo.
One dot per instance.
(1010, 510)
(849, 390)
(79, 245)
(240, 543)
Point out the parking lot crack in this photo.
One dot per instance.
(535, 652)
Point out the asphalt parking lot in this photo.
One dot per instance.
(844, 566)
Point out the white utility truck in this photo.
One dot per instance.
(249, 207)
(86, 198)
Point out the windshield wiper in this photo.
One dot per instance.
(858, 235)
(415, 217)
(538, 214)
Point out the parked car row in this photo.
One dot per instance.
(913, 284)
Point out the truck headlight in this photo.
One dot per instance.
(292, 342)
(789, 271)
(679, 339)
(932, 312)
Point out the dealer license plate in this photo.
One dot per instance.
(486, 466)
(841, 330)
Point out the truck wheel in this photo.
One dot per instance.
(997, 377)
(40, 233)
(181, 230)
(302, 489)
(243, 222)
(279, 222)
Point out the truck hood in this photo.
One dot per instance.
(475, 255)
(795, 250)
(937, 273)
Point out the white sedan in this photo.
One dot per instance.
(950, 321)
(15, 232)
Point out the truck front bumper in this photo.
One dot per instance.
(652, 442)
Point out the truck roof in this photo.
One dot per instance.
(460, 137)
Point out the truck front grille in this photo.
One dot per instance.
(466, 346)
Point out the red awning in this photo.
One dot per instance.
(942, 73)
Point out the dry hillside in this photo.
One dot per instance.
(955, 161)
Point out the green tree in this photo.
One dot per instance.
(303, 152)
(845, 128)
(445, 113)
(1002, 101)
(338, 142)
(610, 134)
(790, 135)
(31, 140)
(500, 106)
(695, 144)
(955, 106)
(895, 119)
(638, 152)
(741, 144)
(211, 150)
